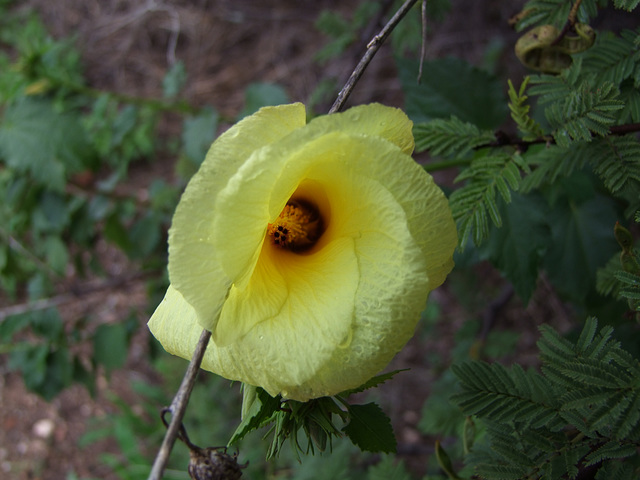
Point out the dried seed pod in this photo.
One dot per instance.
(213, 463)
(544, 49)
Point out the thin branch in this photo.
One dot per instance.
(178, 407)
(505, 140)
(571, 21)
(423, 47)
(372, 48)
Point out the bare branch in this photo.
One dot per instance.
(179, 406)
(423, 47)
(372, 48)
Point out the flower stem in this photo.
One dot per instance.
(179, 406)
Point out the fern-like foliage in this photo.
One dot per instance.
(556, 12)
(519, 108)
(627, 5)
(474, 204)
(613, 58)
(582, 411)
(616, 159)
(606, 281)
(554, 88)
(585, 112)
(630, 287)
(549, 163)
(451, 137)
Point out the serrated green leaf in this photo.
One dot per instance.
(581, 244)
(47, 144)
(452, 87)
(370, 429)
(518, 247)
(373, 382)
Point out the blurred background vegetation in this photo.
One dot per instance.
(106, 110)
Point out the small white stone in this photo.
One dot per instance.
(43, 428)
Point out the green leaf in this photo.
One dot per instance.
(116, 233)
(110, 346)
(144, 235)
(370, 429)
(584, 112)
(56, 254)
(260, 95)
(13, 324)
(45, 371)
(174, 80)
(439, 415)
(452, 87)
(261, 411)
(48, 324)
(388, 469)
(48, 144)
(373, 382)
(518, 247)
(582, 243)
(198, 133)
(450, 137)
(474, 204)
(53, 213)
(627, 5)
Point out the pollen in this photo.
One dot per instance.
(298, 227)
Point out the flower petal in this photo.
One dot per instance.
(373, 120)
(194, 269)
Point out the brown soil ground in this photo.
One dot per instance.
(127, 47)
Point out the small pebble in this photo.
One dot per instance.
(43, 428)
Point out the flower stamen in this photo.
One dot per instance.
(298, 227)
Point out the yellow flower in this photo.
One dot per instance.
(308, 250)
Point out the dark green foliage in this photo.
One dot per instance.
(584, 113)
(580, 134)
(474, 204)
(530, 129)
(452, 87)
(582, 410)
(451, 137)
(555, 12)
(65, 150)
(518, 248)
(581, 239)
(342, 31)
(366, 426)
